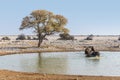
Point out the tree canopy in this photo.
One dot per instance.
(44, 23)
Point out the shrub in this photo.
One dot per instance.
(66, 37)
(21, 37)
(119, 38)
(34, 38)
(89, 37)
(5, 38)
(28, 38)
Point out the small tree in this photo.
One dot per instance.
(44, 23)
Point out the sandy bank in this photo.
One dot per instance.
(11, 75)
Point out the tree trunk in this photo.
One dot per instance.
(39, 43)
(40, 38)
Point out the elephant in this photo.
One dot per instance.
(90, 52)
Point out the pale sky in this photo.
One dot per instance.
(99, 17)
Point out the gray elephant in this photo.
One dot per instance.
(90, 52)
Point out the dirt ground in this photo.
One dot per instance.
(11, 75)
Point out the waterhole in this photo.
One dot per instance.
(70, 63)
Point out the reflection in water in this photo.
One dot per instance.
(92, 62)
(29, 63)
(52, 64)
(43, 63)
(73, 63)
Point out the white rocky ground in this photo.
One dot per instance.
(99, 42)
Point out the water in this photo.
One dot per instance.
(72, 63)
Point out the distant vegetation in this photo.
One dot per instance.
(28, 38)
(5, 38)
(89, 37)
(21, 37)
(44, 23)
(119, 38)
(66, 37)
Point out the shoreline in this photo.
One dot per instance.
(39, 50)
(102, 43)
(16, 75)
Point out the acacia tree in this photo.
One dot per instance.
(44, 23)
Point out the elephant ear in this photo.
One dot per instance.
(88, 51)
